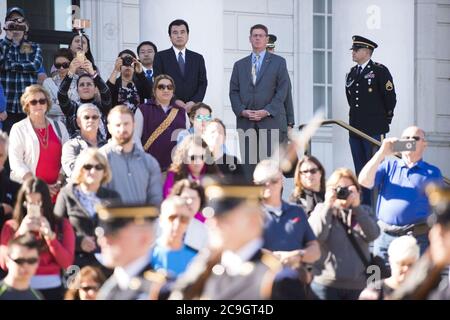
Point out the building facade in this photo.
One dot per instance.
(314, 36)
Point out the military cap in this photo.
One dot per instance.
(361, 42)
(230, 192)
(272, 40)
(113, 217)
(439, 198)
(14, 10)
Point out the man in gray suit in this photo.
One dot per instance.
(258, 88)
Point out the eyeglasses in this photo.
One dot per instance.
(85, 84)
(64, 65)
(95, 117)
(34, 102)
(22, 261)
(196, 157)
(165, 86)
(98, 167)
(312, 171)
(182, 218)
(417, 138)
(88, 288)
(18, 20)
(203, 118)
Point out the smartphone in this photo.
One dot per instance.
(34, 210)
(404, 145)
(81, 56)
(81, 24)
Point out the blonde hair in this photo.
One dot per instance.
(85, 156)
(265, 170)
(342, 173)
(31, 90)
(120, 109)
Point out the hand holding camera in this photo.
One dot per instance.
(118, 65)
(74, 66)
(31, 221)
(45, 229)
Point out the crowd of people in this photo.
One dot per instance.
(129, 183)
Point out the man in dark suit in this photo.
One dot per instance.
(371, 96)
(125, 236)
(258, 89)
(146, 51)
(186, 67)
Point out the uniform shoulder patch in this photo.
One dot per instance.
(155, 276)
(271, 262)
(379, 65)
(389, 85)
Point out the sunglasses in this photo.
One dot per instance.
(312, 171)
(182, 218)
(98, 167)
(22, 261)
(164, 87)
(196, 157)
(417, 138)
(91, 117)
(88, 288)
(203, 118)
(64, 65)
(34, 102)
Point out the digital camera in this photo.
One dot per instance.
(127, 61)
(342, 193)
(13, 26)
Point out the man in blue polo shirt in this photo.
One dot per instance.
(402, 205)
(286, 229)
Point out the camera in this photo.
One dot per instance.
(12, 26)
(127, 61)
(404, 145)
(342, 193)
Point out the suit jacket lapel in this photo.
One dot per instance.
(264, 65)
(248, 66)
(187, 62)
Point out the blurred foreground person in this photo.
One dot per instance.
(126, 235)
(235, 268)
(424, 279)
(86, 285)
(22, 262)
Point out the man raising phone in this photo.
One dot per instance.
(402, 205)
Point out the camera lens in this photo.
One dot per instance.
(342, 193)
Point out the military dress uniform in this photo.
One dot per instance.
(137, 280)
(249, 274)
(371, 96)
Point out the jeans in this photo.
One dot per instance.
(382, 243)
(329, 293)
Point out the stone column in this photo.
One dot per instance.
(205, 19)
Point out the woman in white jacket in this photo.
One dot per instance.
(36, 142)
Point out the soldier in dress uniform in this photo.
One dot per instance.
(125, 235)
(371, 96)
(235, 267)
(288, 103)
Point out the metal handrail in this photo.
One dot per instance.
(356, 132)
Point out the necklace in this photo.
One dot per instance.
(42, 134)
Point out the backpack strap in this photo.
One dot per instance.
(58, 129)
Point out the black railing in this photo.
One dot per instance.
(354, 131)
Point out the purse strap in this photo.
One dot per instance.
(355, 244)
(162, 127)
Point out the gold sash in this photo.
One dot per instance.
(162, 127)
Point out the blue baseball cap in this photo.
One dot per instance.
(14, 10)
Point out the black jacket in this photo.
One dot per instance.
(371, 97)
(143, 86)
(191, 86)
(68, 206)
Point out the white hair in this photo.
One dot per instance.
(403, 248)
(265, 170)
(87, 106)
(170, 204)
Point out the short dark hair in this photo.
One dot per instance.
(84, 75)
(197, 106)
(127, 51)
(178, 22)
(63, 52)
(27, 240)
(180, 185)
(259, 26)
(147, 43)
